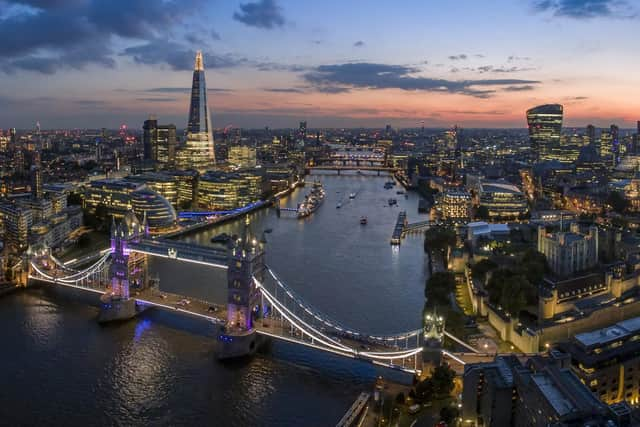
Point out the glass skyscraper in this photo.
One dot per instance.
(199, 150)
(545, 126)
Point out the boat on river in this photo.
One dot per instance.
(312, 201)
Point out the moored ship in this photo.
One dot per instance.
(312, 201)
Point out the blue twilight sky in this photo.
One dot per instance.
(95, 63)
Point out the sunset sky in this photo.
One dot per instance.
(347, 63)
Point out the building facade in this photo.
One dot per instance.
(570, 252)
(199, 150)
(545, 126)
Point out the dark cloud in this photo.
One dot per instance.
(284, 90)
(522, 88)
(264, 14)
(518, 58)
(492, 69)
(72, 34)
(359, 43)
(460, 57)
(272, 66)
(179, 90)
(157, 99)
(177, 56)
(384, 76)
(586, 9)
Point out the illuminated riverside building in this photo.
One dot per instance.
(17, 221)
(199, 151)
(502, 200)
(545, 126)
(186, 187)
(455, 206)
(218, 191)
(158, 212)
(607, 361)
(115, 194)
(164, 184)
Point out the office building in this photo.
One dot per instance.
(545, 126)
(607, 360)
(540, 391)
(114, 194)
(242, 156)
(502, 200)
(159, 143)
(162, 183)
(591, 134)
(570, 252)
(158, 212)
(606, 147)
(219, 191)
(17, 221)
(455, 206)
(199, 148)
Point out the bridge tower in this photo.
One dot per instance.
(433, 334)
(244, 306)
(116, 303)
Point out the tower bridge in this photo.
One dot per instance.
(259, 303)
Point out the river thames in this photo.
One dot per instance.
(59, 367)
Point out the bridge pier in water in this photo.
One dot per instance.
(126, 267)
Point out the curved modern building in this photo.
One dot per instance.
(160, 214)
(545, 126)
(199, 152)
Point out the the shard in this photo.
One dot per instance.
(199, 149)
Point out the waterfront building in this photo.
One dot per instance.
(199, 148)
(569, 252)
(159, 143)
(455, 206)
(502, 200)
(545, 126)
(160, 216)
(219, 191)
(186, 187)
(539, 391)
(17, 221)
(242, 156)
(55, 230)
(115, 194)
(607, 360)
(163, 183)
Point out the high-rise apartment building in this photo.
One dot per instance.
(199, 149)
(545, 126)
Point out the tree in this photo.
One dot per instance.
(480, 269)
(482, 212)
(442, 379)
(448, 414)
(84, 241)
(438, 288)
(439, 238)
(618, 202)
(425, 390)
(400, 398)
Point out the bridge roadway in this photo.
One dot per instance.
(354, 167)
(182, 251)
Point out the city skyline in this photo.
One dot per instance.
(273, 63)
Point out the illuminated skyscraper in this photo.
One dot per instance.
(199, 148)
(545, 126)
(615, 144)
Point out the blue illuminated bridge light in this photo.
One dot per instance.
(196, 214)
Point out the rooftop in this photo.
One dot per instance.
(609, 334)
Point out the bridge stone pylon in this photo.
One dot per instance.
(244, 301)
